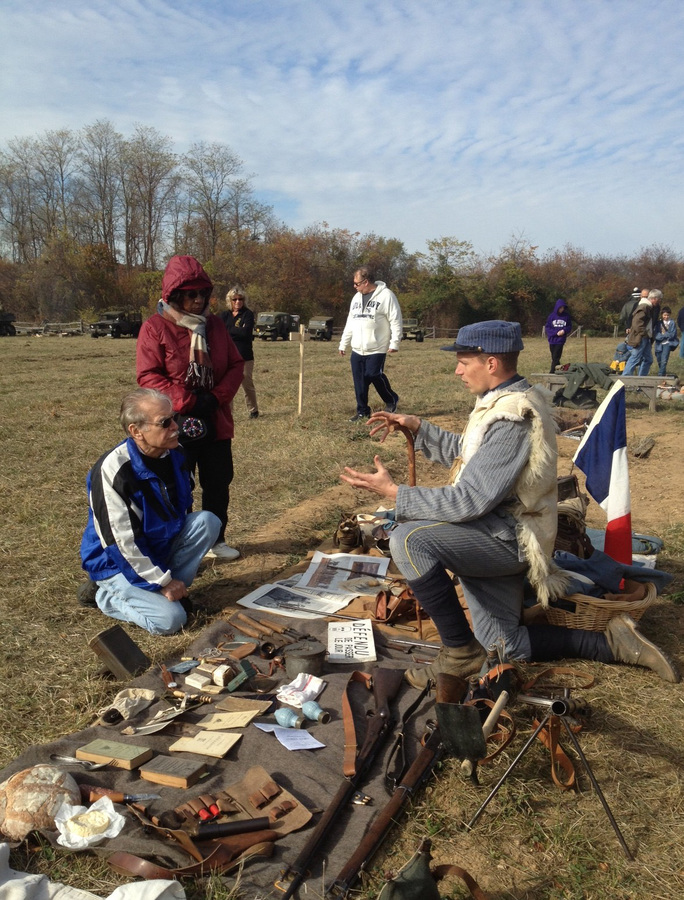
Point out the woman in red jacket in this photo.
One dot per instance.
(186, 352)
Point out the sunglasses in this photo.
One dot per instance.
(193, 295)
(164, 423)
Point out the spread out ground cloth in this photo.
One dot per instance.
(312, 776)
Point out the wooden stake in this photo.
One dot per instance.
(302, 332)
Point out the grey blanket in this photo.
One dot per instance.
(313, 776)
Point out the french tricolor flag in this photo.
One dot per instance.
(602, 456)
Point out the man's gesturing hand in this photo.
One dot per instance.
(387, 422)
(379, 482)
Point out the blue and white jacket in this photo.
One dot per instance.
(132, 521)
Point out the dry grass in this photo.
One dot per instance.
(59, 400)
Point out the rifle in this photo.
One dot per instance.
(385, 684)
(449, 689)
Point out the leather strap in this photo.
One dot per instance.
(444, 871)
(582, 678)
(560, 761)
(392, 779)
(221, 860)
(350, 740)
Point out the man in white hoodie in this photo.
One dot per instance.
(372, 331)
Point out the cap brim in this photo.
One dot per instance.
(462, 348)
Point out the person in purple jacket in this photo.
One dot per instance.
(558, 327)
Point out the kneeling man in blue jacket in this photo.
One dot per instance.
(142, 545)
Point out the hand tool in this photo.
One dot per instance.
(93, 792)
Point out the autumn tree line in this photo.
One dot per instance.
(89, 218)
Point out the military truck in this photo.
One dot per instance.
(321, 328)
(7, 329)
(411, 331)
(115, 323)
(273, 325)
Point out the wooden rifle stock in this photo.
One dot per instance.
(450, 689)
(385, 686)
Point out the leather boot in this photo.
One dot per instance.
(463, 661)
(628, 645)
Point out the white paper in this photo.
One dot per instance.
(351, 642)
(285, 601)
(328, 572)
(291, 738)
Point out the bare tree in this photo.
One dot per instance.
(150, 182)
(210, 172)
(99, 196)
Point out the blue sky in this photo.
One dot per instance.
(558, 122)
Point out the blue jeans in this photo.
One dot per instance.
(681, 346)
(640, 357)
(662, 355)
(367, 371)
(118, 598)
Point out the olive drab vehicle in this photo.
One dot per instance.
(273, 325)
(116, 323)
(7, 329)
(321, 328)
(411, 331)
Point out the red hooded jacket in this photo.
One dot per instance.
(163, 350)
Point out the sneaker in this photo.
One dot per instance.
(254, 414)
(223, 551)
(359, 417)
(392, 407)
(85, 594)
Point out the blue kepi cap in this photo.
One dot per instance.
(495, 336)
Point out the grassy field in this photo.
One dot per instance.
(59, 400)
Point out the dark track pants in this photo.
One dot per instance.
(367, 371)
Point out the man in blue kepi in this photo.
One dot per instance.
(493, 524)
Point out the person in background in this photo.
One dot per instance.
(558, 327)
(680, 325)
(640, 337)
(629, 307)
(493, 523)
(142, 546)
(665, 339)
(186, 352)
(239, 321)
(372, 331)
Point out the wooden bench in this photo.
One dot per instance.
(647, 384)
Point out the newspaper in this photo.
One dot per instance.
(331, 572)
(295, 604)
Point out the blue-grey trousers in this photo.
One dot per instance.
(484, 555)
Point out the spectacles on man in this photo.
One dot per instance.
(359, 283)
(163, 423)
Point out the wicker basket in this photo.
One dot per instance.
(594, 613)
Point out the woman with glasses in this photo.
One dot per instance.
(186, 352)
(239, 321)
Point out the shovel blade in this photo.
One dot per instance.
(461, 730)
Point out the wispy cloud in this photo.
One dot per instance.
(474, 119)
